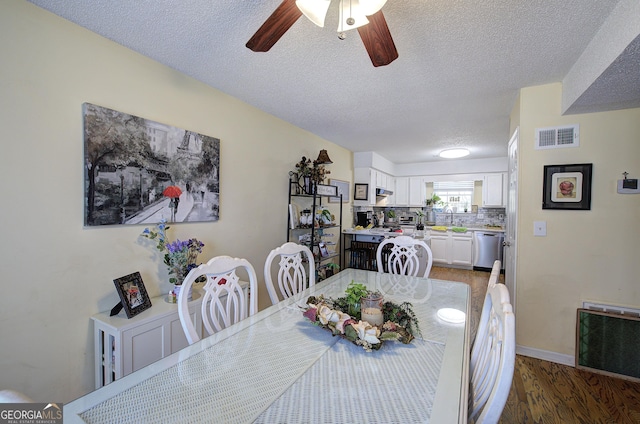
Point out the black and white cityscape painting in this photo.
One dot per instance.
(139, 171)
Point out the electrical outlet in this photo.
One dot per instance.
(480, 216)
(501, 216)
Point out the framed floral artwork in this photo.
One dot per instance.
(567, 187)
(133, 295)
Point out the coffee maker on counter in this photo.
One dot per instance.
(363, 219)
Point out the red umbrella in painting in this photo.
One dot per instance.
(172, 192)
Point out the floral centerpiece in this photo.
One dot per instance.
(180, 256)
(399, 321)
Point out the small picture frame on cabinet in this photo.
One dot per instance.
(133, 295)
(361, 192)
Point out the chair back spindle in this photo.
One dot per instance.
(224, 301)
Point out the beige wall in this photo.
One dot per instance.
(586, 255)
(55, 273)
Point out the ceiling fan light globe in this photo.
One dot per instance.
(314, 10)
(351, 15)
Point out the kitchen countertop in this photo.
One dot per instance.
(386, 232)
(488, 229)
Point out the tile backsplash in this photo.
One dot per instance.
(484, 216)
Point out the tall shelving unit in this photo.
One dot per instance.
(313, 201)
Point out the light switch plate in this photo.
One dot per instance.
(540, 228)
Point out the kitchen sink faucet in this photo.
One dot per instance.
(448, 209)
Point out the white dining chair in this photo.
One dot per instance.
(496, 353)
(224, 302)
(495, 271)
(400, 255)
(292, 274)
(481, 332)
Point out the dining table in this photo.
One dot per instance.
(278, 367)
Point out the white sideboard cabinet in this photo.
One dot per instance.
(123, 345)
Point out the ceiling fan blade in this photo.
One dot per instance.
(378, 41)
(275, 26)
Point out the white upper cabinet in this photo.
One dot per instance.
(409, 191)
(401, 193)
(417, 191)
(494, 190)
(375, 179)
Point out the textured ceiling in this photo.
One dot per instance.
(460, 65)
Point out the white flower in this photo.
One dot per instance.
(367, 332)
(342, 319)
(327, 315)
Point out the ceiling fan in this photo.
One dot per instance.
(365, 15)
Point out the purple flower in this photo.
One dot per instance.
(311, 314)
(180, 255)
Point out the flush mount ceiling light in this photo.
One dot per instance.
(454, 153)
(365, 15)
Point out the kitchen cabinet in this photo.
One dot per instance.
(417, 191)
(494, 190)
(462, 249)
(375, 179)
(317, 238)
(401, 192)
(409, 191)
(453, 249)
(439, 244)
(384, 180)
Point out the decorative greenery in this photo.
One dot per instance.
(179, 256)
(391, 213)
(308, 168)
(400, 322)
(355, 291)
(303, 168)
(433, 200)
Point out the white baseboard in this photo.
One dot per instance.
(546, 355)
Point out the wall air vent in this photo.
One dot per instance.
(608, 340)
(557, 137)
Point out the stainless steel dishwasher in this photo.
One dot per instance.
(488, 249)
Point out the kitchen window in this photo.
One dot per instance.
(457, 194)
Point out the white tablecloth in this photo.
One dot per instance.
(276, 367)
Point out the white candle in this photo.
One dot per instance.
(373, 316)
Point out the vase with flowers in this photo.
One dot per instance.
(180, 256)
(310, 173)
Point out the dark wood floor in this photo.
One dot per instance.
(550, 393)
